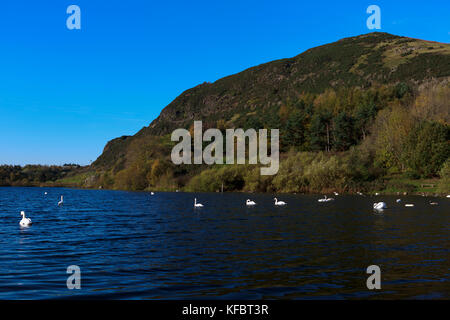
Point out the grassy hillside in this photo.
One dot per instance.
(364, 62)
(363, 113)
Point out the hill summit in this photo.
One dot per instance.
(363, 61)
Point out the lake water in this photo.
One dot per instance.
(131, 245)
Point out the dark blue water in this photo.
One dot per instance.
(132, 245)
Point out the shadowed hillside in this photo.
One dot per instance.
(352, 115)
(364, 62)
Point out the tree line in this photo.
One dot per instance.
(34, 175)
(348, 139)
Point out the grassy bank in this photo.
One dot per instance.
(245, 179)
(388, 185)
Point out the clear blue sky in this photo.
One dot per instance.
(65, 93)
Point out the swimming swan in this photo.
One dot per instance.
(250, 202)
(25, 222)
(379, 205)
(198, 205)
(325, 199)
(279, 203)
(61, 202)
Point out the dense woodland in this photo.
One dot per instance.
(35, 175)
(352, 140)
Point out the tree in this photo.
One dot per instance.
(432, 104)
(391, 130)
(294, 132)
(364, 115)
(343, 131)
(427, 148)
(444, 184)
(401, 89)
(319, 131)
(158, 168)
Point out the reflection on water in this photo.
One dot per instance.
(131, 245)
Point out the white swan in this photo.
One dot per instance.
(398, 200)
(198, 205)
(152, 193)
(279, 203)
(25, 222)
(325, 199)
(448, 196)
(250, 202)
(45, 193)
(335, 193)
(61, 202)
(379, 205)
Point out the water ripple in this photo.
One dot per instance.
(130, 245)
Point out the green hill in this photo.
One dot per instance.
(344, 88)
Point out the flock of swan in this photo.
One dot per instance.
(25, 222)
(382, 205)
(376, 205)
(248, 202)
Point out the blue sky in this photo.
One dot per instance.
(65, 93)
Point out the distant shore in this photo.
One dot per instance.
(367, 193)
(227, 178)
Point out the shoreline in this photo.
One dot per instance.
(363, 194)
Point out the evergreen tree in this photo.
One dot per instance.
(294, 132)
(343, 131)
(319, 131)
